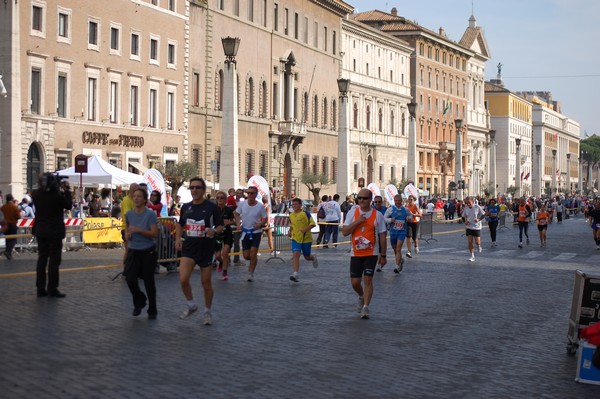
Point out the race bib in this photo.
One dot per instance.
(399, 225)
(493, 214)
(543, 222)
(523, 214)
(362, 243)
(195, 228)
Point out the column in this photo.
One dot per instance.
(411, 167)
(343, 170)
(518, 169)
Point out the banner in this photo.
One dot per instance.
(390, 191)
(155, 181)
(411, 190)
(101, 230)
(261, 185)
(374, 188)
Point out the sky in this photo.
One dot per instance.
(543, 45)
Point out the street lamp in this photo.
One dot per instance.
(458, 159)
(538, 175)
(568, 174)
(493, 162)
(411, 168)
(518, 169)
(230, 171)
(343, 170)
(553, 171)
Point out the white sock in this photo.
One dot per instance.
(191, 304)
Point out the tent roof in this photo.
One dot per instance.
(101, 172)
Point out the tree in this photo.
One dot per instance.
(176, 174)
(314, 183)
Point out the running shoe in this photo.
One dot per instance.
(250, 277)
(527, 240)
(225, 277)
(408, 254)
(416, 250)
(294, 278)
(219, 268)
(472, 258)
(378, 268)
(207, 318)
(188, 312)
(364, 312)
(315, 261)
(479, 249)
(520, 245)
(361, 303)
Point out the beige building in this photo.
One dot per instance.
(287, 66)
(439, 84)
(378, 68)
(86, 77)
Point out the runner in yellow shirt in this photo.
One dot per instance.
(301, 224)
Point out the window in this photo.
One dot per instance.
(355, 171)
(171, 53)
(135, 44)
(170, 110)
(236, 8)
(262, 164)
(114, 38)
(264, 9)
(37, 14)
(63, 25)
(36, 90)
(305, 30)
(305, 164)
(334, 43)
(251, 10)
(152, 108)
(368, 117)
(276, 17)
(197, 156)
(171, 5)
(286, 22)
(154, 49)
(315, 165)
(334, 170)
(196, 89)
(316, 35)
(325, 36)
(355, 116)
(380, 172)
(325, 166)
(133, 105)
(91, 98)
(334, 117)
(380, 121)
(93, 33)
(61, 100)
(393, 172)
(316, 111)
(296, 26)
(114, 102)
(249, 164)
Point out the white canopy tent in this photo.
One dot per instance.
(101, 172)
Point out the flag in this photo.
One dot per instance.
(447, 107)
(522, 175)
(526, 176)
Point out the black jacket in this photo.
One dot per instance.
(49, 212)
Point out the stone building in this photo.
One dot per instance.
(87, 78)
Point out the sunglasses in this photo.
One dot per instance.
(363, 198)
(221, 198)
(197, 187)
(378, 202)
(252, 192)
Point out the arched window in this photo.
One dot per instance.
(334, 113)
(380, 120)
(316, 111)
(325, 111)
(368, 116)
(355, 116)
(305, 108)
(250, 99)
(219, 93)
(392, 121)
(263, 99)
(239, 95)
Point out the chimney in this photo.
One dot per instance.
(395, 12)
(442, 32)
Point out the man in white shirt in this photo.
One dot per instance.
(472, 214)
(250, 218)
(333, 215)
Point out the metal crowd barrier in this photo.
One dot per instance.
(74, 235)
(426, 227)
(25, 244)
(165, 243)
(502, 221)
(281, 241)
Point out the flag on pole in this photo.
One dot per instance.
(522, 175)
(526, 176)
(448, 106)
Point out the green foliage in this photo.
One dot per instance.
(511, 190)
(314, 183)
(176, 174)
(591, 147)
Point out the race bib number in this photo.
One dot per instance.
(399, 225)
(195, 229)
(543, 222)
(361, 243)
(523, 214)
(493, 214)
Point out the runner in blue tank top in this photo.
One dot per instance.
(395, 217)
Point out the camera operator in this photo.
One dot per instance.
(51, 198)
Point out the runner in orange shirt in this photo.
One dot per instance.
(542, 224)
(413, 219)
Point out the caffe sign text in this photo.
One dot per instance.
(121, 140)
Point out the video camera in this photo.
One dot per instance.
(54, 181)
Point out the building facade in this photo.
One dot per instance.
(93, 80)
(287, 93)
(378, 68)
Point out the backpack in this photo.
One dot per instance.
(345, 207)
(321, 213)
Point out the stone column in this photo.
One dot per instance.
(230, 163)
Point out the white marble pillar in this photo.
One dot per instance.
(343, 170)
(230, 163)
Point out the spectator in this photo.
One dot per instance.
(154, 202)
(11, 216)
(25, 208)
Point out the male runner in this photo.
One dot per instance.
(253, 218)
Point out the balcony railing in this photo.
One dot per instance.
(291, 128)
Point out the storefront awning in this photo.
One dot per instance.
(138, 166)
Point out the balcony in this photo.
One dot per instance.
(447, 146)
(292, 128)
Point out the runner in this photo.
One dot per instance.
(301, 224)
(542, 224)
(333, 215)
(523, 215)
(413, 219)
(492, 211)
(369, 246)
(395, 216)
(201, 220)
(224, 241)
(250, 218)
(594, 216)
(472, 214)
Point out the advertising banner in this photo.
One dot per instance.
(374, 188)
(261, 185)
(155, 181)
(101, 230)
(390, 191)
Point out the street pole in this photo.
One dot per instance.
(230, 163)
(538, 174)
(343, 170)
(493, 161)
(518, 169)
(553, 188)
(411, 167)
(458, 159)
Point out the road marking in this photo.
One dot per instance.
(73, 269)
(532, 254)
(565, 256)
(432, 250)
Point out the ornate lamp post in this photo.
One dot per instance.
(458, 159)
(553, 172)
(493, 162)
(343, 170)
(538, 174)
(518, 169)
(411, 168)
(230, 170)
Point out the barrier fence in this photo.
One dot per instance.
(165, 243)
(426, 227)
(281, 241)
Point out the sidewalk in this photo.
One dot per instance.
(445, 327)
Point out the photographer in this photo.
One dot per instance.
(50, 199)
